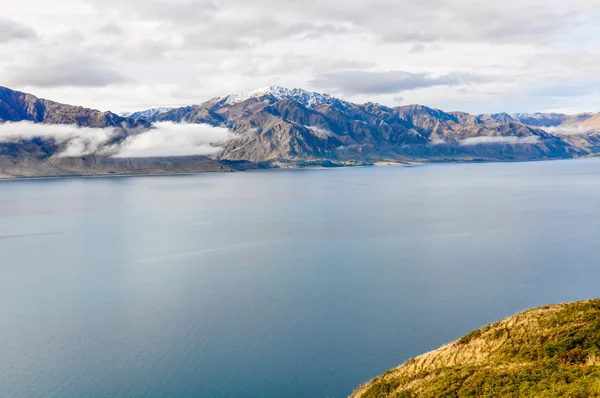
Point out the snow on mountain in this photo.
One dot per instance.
(540, 119)
(147, 114)
(308, 99)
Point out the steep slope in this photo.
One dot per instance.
(147, 114)
(16, 106)
(282, 127)
(552, 351)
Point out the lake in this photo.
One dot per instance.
(281, 283)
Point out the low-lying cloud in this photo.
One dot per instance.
(321, 132)
(67, 72)
(11, 30)
(164, 139)
(532, 139)
(367, 82)
(570, 130)
(175, 139)
(438, 141)
(78, 141)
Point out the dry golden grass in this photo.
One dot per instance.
(523, 355)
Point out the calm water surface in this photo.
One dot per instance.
(280, 283)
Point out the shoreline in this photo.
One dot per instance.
(382, 164)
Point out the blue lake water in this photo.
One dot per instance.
(272, 284)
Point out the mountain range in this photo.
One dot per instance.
(280, 127)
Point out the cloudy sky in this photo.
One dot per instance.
(472, 55)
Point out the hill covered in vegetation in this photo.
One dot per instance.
(551, 351)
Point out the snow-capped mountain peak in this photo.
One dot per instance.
(307, 98)
(147, 114)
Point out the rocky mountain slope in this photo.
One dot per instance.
(552, 351)
(148, 114)
(16, 106)
(282, 127)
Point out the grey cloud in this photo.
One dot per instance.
(79, 72)
(268, 65)
(10, 30)
(203, 38)
(250, 32)
(316, 31)
(517, 21)
(174, 11)
(222, 25)
(482, 22)
(111, 29)
(365, 82)
(139, 49)
(417, 48)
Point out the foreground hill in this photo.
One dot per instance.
(551, 351)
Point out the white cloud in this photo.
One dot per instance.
(569, 130)
(438, 141)
(321, 132)
(174, 139)
(389, 82)
(72, 71)
(532, 139)
(166, 139)
(78, 141)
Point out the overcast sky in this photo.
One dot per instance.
(472, 55)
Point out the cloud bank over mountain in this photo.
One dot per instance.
(175, 139)
(165, 139)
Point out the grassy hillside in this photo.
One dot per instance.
(551, 351)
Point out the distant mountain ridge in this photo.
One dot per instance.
(287, 127)
(310, 100)
(280, 127)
